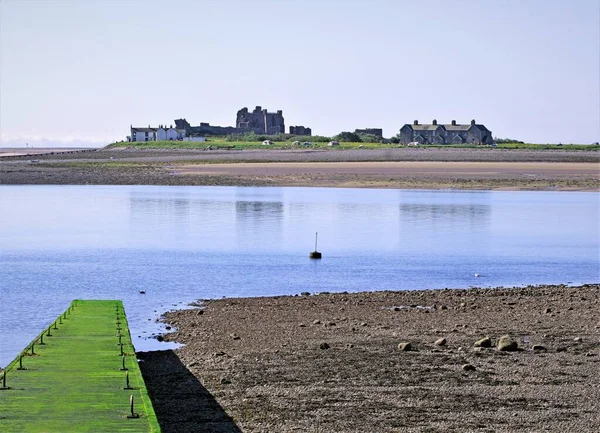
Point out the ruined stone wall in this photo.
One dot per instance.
(207, 129)
(300, 130)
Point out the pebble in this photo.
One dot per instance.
(468, 367)
(484, 342)
(235, 336)
(324, 346)
(404, 347)
(539, 347)
(578, 339)
(440, 342)
(507, 344)
(225, 381)
(316, 322)
(548, 311)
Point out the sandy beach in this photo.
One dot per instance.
(332, 362)
(430, 168)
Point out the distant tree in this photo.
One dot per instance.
(349, 137)
(369, 138)
(506, 140)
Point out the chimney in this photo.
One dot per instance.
(280, 112)
(416, 122)
(258, 109)
(454, 122)
(473, 122)
(434, 122)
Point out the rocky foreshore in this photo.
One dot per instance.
(502, 360)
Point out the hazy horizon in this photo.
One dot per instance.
(79, 73)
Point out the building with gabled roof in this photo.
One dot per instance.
(452, 133)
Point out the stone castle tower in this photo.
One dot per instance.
(260, 121)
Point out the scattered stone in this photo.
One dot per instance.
(316, 322)
(324, 346)
(219, 353)
(440, 342)
(484, 342)
(468, 367)
(444, 307)
(305, 293)
(191, 364)
(507, 344)
(539, 348)
(199, 312)
(349, 346)
(404, 347)
(160, 338)
(363, 324)
(397, 308)
(234, 336)
(578, 339)
(548, 311)
(168, 328)
(225, 381)
(561, 349)
(302, 325)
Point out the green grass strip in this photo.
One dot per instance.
(74, 382)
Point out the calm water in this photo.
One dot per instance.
(58, 243)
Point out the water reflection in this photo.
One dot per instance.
(451, 214)
(59, 243)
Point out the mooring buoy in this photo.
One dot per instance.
(315, 254)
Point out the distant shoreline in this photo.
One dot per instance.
(401, 168)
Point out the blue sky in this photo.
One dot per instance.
(80, 72)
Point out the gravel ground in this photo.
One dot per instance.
(332, 363)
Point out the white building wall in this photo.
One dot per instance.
(171, 134)
(161, 134)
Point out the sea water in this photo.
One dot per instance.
(180, 244)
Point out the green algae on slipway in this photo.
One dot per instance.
(78, 375)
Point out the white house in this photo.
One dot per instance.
(154, 134)
(143, 134)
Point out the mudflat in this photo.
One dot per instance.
(375, 168)
(337, 362)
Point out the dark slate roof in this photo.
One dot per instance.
(143, 129)
(424, 127)
(457, 127)
(448, 127)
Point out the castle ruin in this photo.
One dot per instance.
(300, 130)
(260, 121)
